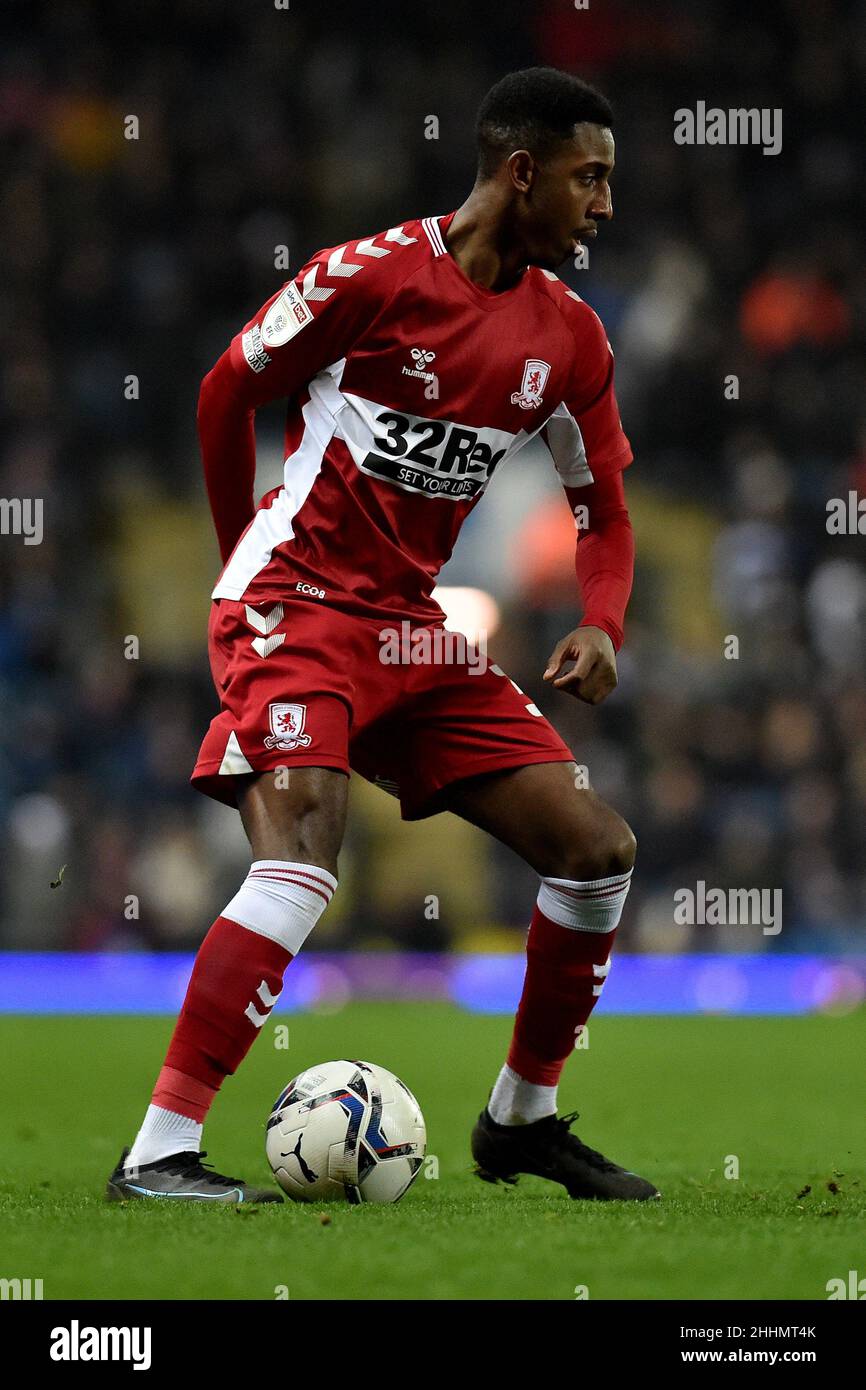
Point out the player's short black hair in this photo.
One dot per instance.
(534, 109)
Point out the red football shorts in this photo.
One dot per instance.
(303, 685)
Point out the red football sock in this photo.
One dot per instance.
(237, 976)
(564, 975)
(235, 981)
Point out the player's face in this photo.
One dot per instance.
(569, 195)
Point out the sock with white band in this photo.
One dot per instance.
(568, 948)
(282, 901)
(236, 979)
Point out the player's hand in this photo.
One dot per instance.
(593, 675)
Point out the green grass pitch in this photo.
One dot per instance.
(669, 1097)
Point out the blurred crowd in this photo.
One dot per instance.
(733, 288)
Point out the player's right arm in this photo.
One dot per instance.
(312, 321)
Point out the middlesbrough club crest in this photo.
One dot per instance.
(287, 727)
(535, 374)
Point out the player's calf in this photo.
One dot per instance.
(236, 980)
(568, 952)
(584, 853)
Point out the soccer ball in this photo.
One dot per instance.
(346, 1131)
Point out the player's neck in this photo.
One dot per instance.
(477, 241)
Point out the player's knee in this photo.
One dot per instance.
(608, 851)
(301, 848)
(623, 850)
(297, 848)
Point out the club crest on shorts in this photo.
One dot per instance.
(287, 727)
(535, 374)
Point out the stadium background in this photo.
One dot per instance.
(305, 127)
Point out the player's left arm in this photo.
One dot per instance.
(590, 451)
(604, 562)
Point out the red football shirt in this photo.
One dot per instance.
(408, 385)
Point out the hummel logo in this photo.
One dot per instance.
(339, 268)
(600, 972)
(290, 311)
(265, 623)
(267, 999)
(422, 358)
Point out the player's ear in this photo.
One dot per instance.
(522, 170)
